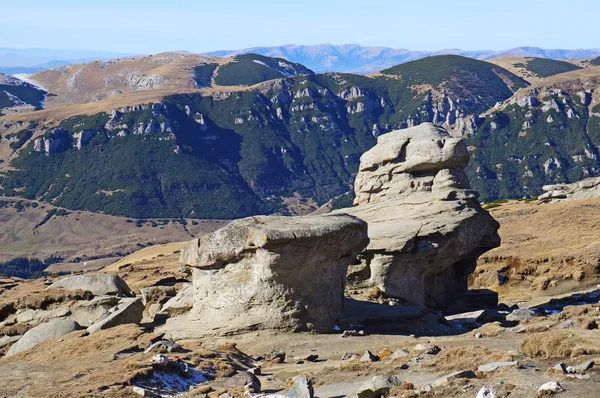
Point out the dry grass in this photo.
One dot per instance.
(467, 357)
(561, 344)
(492, 329)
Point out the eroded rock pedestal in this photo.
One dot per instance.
(269, 272)
(426, 227)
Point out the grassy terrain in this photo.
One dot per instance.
(203, 74)
(543, 67)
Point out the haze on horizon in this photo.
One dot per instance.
(152, 26)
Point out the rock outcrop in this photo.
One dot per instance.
(46, 331)
(270, 272)
(426, 227)
(584, 189)
(98, 284)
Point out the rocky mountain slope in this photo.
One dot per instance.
(17, 95)
(547, 133)
(229, 151)
(353, 58)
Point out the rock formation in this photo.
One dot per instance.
(426, 227)
(270, 272)
(98, 284)
(584, 189)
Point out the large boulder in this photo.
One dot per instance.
(46, 331)
(426, 227)
(128, 310)
(269, 272)
(98, 284)
(584, 189)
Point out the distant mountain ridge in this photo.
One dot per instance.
(354, 58)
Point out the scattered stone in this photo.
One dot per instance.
(521, 314)
(580, 369)
(349, 356)
(426, 387)
(379, 386)
(243, 379)
(550, 387)
(257, 371)
(46, 331)
(399, 354)
(478, 335)
(157, 294)
(129, 310)
(98, 284)
(312, 358)
(562, 367)
(302, 388)
(567, 324)
(351, 333)
(160, 359)
(276, 356)
(368, 356)
(428, 348)
(486, 392)
(461, 374)
(164, 346)
(489, 367)
(8, 340)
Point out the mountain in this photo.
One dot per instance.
(535, 69)
(17, 95)
(544, 134)
(354, 58)
(200, 137)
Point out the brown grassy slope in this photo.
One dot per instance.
(551, 247)
(84, 234)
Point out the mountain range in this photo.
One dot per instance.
(354, 58)
(350, 58)
(185, 135)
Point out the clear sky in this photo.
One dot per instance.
(150, 26)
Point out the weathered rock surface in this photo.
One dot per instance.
(378, 386)
(521, 314)
(302, 388)
(46, 331)
(584, 189)
(129, 310)
(426, 227)
(269, 272)
(98, 284)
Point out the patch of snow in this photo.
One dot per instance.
(29, 79)
(171, 384)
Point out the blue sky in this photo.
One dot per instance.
(149, 26)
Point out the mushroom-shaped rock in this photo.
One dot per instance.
(46, 331)
(426, 227)
(270, 272)
(98, 284)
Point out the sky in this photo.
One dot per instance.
(150, 26)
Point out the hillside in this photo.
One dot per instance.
(227, 153)
(17, 95)
(536, 69)
(547, 133)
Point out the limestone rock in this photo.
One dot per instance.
(269, 272)
(584, 189)
(379, 386)
(461, 374)
(489, 367)
(129, 310)
(368, 356)
(243, 379)
(46, 331)
(98, 284)
(486, 392)
(521, 314)
(426, 227)
(550, 387)
(302, 388)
